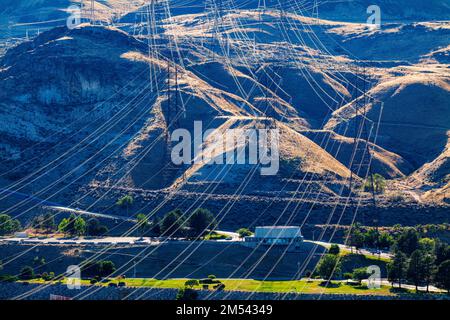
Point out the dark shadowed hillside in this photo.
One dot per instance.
(87, 115)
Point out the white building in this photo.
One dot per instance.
(22, 235)
(276, 236)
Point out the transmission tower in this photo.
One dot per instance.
(152, 31)
(315, 9)
(282, 10)
(262, 7)
(215, 11)
(169, 105)
(92, 12)
(172, 120)
(265, 87)
(173, 104)
(361, 158)
(269, 79)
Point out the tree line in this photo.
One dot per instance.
(178, 224)
(420, 261)
(173, 224)
(8, 225)
(416, 259)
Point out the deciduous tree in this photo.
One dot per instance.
(172, 223)
(142, 223)
(408, 241)
(244, 232)
(334, 249)
(416, 268)
(397, 268)
(328, 266)
(200, 221)
(443, 275)
(8, 225)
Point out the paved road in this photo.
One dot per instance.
(383, 255)
(233, 235)
(385, 282)
(415, 195)
(92, 214)
(103, 241)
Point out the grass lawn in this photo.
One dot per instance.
(301, 286)
(346, 251)
(297, 286)
(370, 256)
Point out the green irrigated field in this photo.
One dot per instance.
(295, 286)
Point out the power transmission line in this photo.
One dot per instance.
(92, 12)
(215, 11)
(315, 10)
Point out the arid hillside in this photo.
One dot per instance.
(91, 113)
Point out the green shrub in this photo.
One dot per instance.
(329, 266)
(219, 287)
(348, 276)
(244, 232)
(125, 201)
(208, 281)
(8, 225)
(27, 273)
(334, 249)
(376, 183)
(99, 269)
(200, 221)
(186, 294)
(360, 274)
(216, 236)
(46, 276)
(8, 278)
(191, 283)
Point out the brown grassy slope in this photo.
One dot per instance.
(300, 158)
(148, 155)
(435, 175)
(61, 82)
(384, 162)
(230, 78)
(416, 115)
